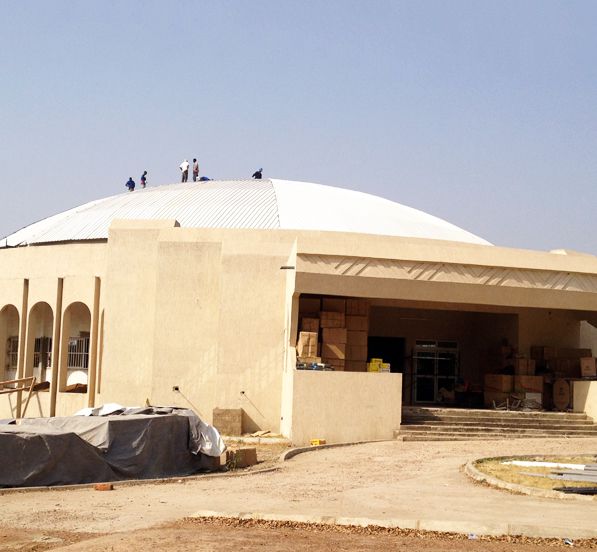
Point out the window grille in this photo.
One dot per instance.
(78, 353)
(12, 352)
(42, 352)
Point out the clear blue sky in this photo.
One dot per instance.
(483, 113)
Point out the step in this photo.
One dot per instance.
(509, 430)
(482, 436)
(501, 423)
(434, 412)
(502, 419)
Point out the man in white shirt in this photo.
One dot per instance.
(184, 167)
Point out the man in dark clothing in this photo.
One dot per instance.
(257, 174)
(130, 184)
(195, 170)
(144, 179)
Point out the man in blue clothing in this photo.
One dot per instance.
(130, 184)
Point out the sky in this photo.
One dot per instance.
(483, 113)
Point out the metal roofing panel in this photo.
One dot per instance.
(263, 204)
(221, 204)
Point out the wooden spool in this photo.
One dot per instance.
(561, 394)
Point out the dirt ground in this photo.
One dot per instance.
(223, 535)
(388, 480)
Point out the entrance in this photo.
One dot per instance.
(391, 349)
(435, 368)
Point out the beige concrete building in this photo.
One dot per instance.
(193, 295)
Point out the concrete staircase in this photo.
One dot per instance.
(455, 424)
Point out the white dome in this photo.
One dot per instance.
(265, 204)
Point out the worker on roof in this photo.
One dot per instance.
(184, 167)
(143, 179)
(257, 174)
(195, 170)
(130, 184)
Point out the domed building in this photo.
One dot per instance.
(203, 294)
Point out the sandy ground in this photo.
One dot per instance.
(409, 481)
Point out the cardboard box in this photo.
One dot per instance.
(335, 335)
(309, 305)
(499, 383)
(310, 324)
(358, 339)
(307, 344)
(574, 353)
(358, 307)
(333, 351)
(374, 365)
(309, 360)
(565, 367)
(331, 304)
(498, 396)
(329, 319)
(356, 352)
(357, 323)
(524, 366)
(528, 384)
(356, 366)
(541, 353)
(588, 368)
(337, 364)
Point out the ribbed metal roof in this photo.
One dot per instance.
(264, 204)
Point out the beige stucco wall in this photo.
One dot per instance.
(584, 397)
(343, 407)
(213, 312)
(204, 311)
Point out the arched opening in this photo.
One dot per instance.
(9, 342)
(39, 342)
(75, 343)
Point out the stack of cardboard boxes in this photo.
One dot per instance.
(334, 332)
(378, 365)
(343, 325)
(524, 384)
(357, 324)
(561, 362)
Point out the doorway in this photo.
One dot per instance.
(435, 369)
(391, 349)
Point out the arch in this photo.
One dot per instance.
(76, 333)
(9, 342)
(39, 342)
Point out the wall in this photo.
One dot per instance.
(584, 398)
(548, 327)
(200, 310)
(345, 406)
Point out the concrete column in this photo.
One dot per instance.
(22, 340)
(56, 337)
(93, 344)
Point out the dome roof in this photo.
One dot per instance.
(261, 204)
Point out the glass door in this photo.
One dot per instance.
(435, 366)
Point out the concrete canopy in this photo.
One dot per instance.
(264, 204)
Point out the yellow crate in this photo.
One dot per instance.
(317, 442)
(373, 366)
